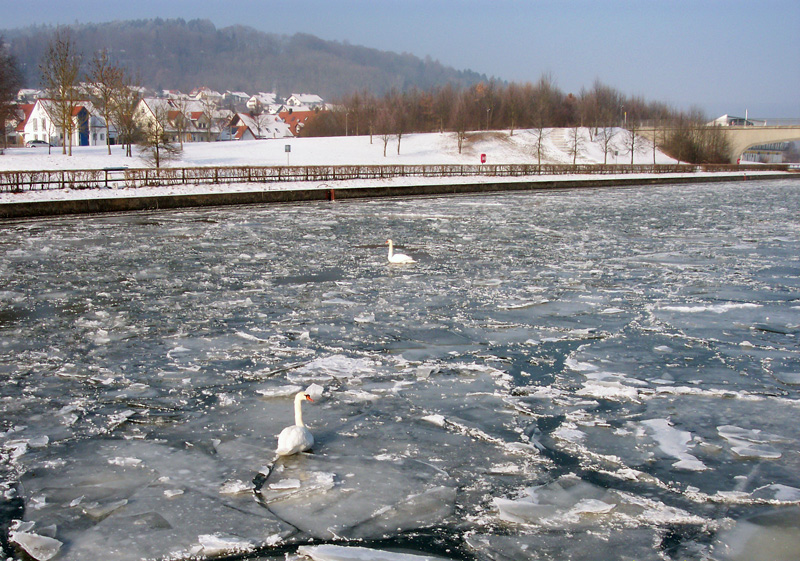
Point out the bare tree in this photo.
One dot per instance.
(123, 114)
(400, 109)
(209, 116)
(576, 143)
(460, 118)
(606, 137)
(155, 142)
(631, 140)
(540, 134)
(60, 72)
(9, 83)
(104, 79)
(180, 122)
(385, 125)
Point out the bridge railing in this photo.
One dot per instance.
(132, 178)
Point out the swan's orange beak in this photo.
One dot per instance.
(308, 397)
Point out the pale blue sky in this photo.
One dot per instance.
(725, 56)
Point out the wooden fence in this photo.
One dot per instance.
(131, 178)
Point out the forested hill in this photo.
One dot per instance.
(176, 54)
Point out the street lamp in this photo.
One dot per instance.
(488, 110)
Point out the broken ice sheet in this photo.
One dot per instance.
(329, 552)
(774, 535)
(634, 544)
(750, 443)
(570, 502)
(131, 512)
(354, 497)
(41, 548)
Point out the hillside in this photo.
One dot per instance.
(176, 54)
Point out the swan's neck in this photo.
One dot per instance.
(391, 249)
(298, 411)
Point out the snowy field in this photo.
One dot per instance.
(575, 375)
(415, 149)
(434, 148)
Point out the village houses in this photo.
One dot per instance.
(88, 129)
(204, 115)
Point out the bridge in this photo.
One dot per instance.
(740, 138)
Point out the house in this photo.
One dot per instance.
(29, 96)
(235, 98)
(296, 120)
(22, 112)
(264, 102)
(88, 128)
(246, 126)
(304, 102)
(206, 94)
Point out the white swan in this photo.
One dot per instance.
(398, 257)
(296, 438)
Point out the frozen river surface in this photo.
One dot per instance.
(594, 374)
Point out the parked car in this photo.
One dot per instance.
(37, 143)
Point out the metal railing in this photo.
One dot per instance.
(132, 178)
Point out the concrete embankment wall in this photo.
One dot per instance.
(134, 203)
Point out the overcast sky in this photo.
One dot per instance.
(724, 56)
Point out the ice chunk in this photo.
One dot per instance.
(572, 503)
(437, 420)
(750, 443)
(39, 547)
(214, 545)
(356, 497)
(235, 487)
(674, 443)
(282, 391)
(330, 552)
(636, 543)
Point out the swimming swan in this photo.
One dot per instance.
(296, 438)
(398, 257)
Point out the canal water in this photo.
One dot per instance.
(575, 374)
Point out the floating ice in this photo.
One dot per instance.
(213, 545)
(674, 443)
(750, 443)
(41, 548)
(330, 552)
(773, 535)
(352, 497)
(571, 503)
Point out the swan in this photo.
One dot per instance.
(296, 438)
(398, 257)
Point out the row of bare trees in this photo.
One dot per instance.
(113, 93)
(537, 106)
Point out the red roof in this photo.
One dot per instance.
(295, 118)
(27, 109)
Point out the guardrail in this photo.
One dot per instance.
(131, 178)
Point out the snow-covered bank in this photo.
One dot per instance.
(498, 147)
(415, 149)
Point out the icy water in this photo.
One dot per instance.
(590, 374)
